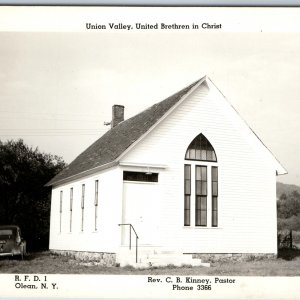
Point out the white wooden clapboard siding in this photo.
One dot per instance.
(107, 236)
(247, 187)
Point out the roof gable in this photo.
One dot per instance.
(113, 143)
(108, 149)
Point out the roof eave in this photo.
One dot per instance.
(54, 183)
(281, 170)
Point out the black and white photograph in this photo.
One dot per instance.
(155, 147)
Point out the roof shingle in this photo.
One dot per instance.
(114, 142)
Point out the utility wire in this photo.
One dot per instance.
(69, 134)
(54, 129)
(52, 119)
(49, 113)
(51, 131)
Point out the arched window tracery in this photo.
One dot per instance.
(200, 149)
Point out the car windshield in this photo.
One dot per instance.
(6, 233)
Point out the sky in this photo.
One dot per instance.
(57, 88)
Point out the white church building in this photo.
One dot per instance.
(184, 180)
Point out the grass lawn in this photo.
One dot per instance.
(288, 264)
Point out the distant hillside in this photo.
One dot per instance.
(286, 188)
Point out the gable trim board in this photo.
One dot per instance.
(161, 134)
(183, 94)
(280, 170)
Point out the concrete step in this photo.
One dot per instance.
(174, 259)
(150, 257)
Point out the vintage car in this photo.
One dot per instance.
(11, 242)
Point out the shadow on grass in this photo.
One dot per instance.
(28, 257)
(288, 254)
(18, 257)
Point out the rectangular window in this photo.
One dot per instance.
(60, 209)
(201, 196)
(82, 205)
(140, 176)
(214, 204)
(187, 195)
(96, 202)
(71, 207)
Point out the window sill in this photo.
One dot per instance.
(200, 227)
(140, 182)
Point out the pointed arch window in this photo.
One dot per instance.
(203, 197)
(201, 149)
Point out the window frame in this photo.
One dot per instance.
(214, 196)
(71, 207)
(187, 195)
(82, 205)
(60, 209)
(96, 203)
(212, 201)
(205, 196)
(207, 145)
(144, 176)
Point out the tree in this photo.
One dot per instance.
(288, 205)
(288, 211)
(24, 199)
(292, 223)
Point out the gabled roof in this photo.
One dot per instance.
(106, 150)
